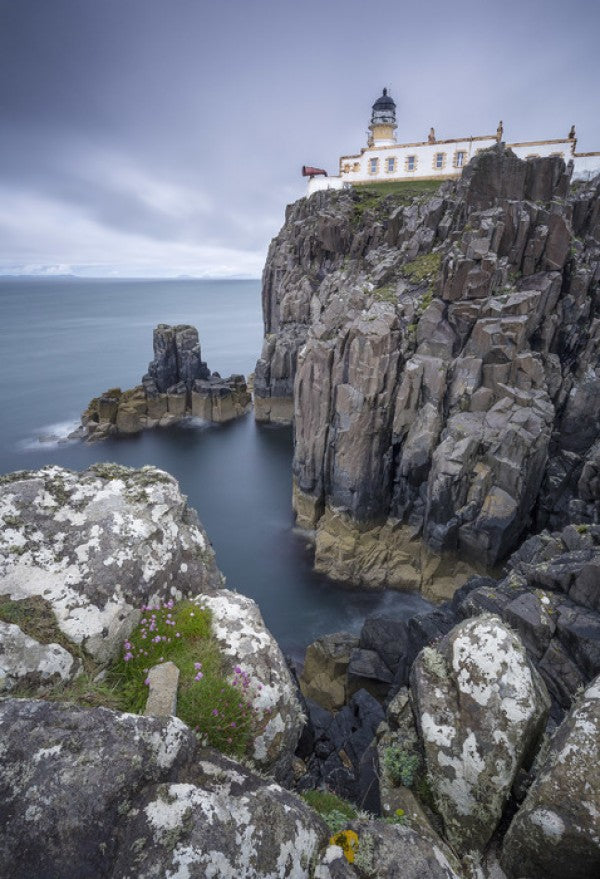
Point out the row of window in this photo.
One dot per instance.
(411, 162)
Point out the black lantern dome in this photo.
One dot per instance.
(384, 110)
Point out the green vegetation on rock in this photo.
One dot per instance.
(424, 267)
(335, 811)
(400, 765)
(401, 192)
(220, 711)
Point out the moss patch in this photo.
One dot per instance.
(35, 617)
(387, 195)
(424, 268)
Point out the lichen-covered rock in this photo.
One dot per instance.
(244, 641)
(24, 661)
(93, 793)
(391, 851)
(97, 545)
(556, 832)
(481, 709)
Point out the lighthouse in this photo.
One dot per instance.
(384, 160)
(383, 122)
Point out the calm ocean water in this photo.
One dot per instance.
(62, 341)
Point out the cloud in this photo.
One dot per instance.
(47, 237)
(156, 137)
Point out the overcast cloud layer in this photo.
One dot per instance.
(165, 137)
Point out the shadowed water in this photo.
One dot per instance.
(63, 341)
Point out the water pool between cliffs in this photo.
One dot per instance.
(64, 338)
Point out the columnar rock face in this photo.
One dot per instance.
(481, 709)
(177, 358)
(178, 384)
(443, 356)
(556, 832)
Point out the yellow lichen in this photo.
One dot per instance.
(348, 842)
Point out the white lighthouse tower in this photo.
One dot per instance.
(383, 122)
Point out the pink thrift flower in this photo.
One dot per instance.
(147, 682)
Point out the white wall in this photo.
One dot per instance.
(424, 165)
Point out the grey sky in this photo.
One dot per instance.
(165, 137)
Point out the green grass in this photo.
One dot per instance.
(386, 293)
(401, 192)
(424, 268)
(405, 190)
(334, 811)
(220, 711)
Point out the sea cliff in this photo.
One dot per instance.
(439, 358)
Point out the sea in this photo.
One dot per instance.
(65, 340)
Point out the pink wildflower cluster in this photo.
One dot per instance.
(227, 716)
(155, 633)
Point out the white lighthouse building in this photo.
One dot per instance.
(384, 159)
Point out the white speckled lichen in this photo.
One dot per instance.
(238, 627)
(556, 832)
(96, 545)
(481, 710)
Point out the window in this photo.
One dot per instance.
(459, 159)
(440, 160)
(411, 163)
(373, 166)
(391, 165)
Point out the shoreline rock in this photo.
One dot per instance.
(178, 385)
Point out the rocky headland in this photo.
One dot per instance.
(439, 358)
(178, 384)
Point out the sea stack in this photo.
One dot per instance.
(178, 384)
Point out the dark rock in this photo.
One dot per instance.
(166, 805)
(442, 360)
(555, 832)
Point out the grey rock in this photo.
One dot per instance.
(97, 545)
(90, 793)
(162, 690)
(177, 357)
(24, 661)
(481, 709)
(556, 832)
(245, 641)
(442, 360)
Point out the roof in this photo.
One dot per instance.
(385, 102)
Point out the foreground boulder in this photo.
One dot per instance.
(244, 639)
(97, 545)
(178, 384)
(481, 709)
(87, 794)
(91, 549)
(556, 832)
